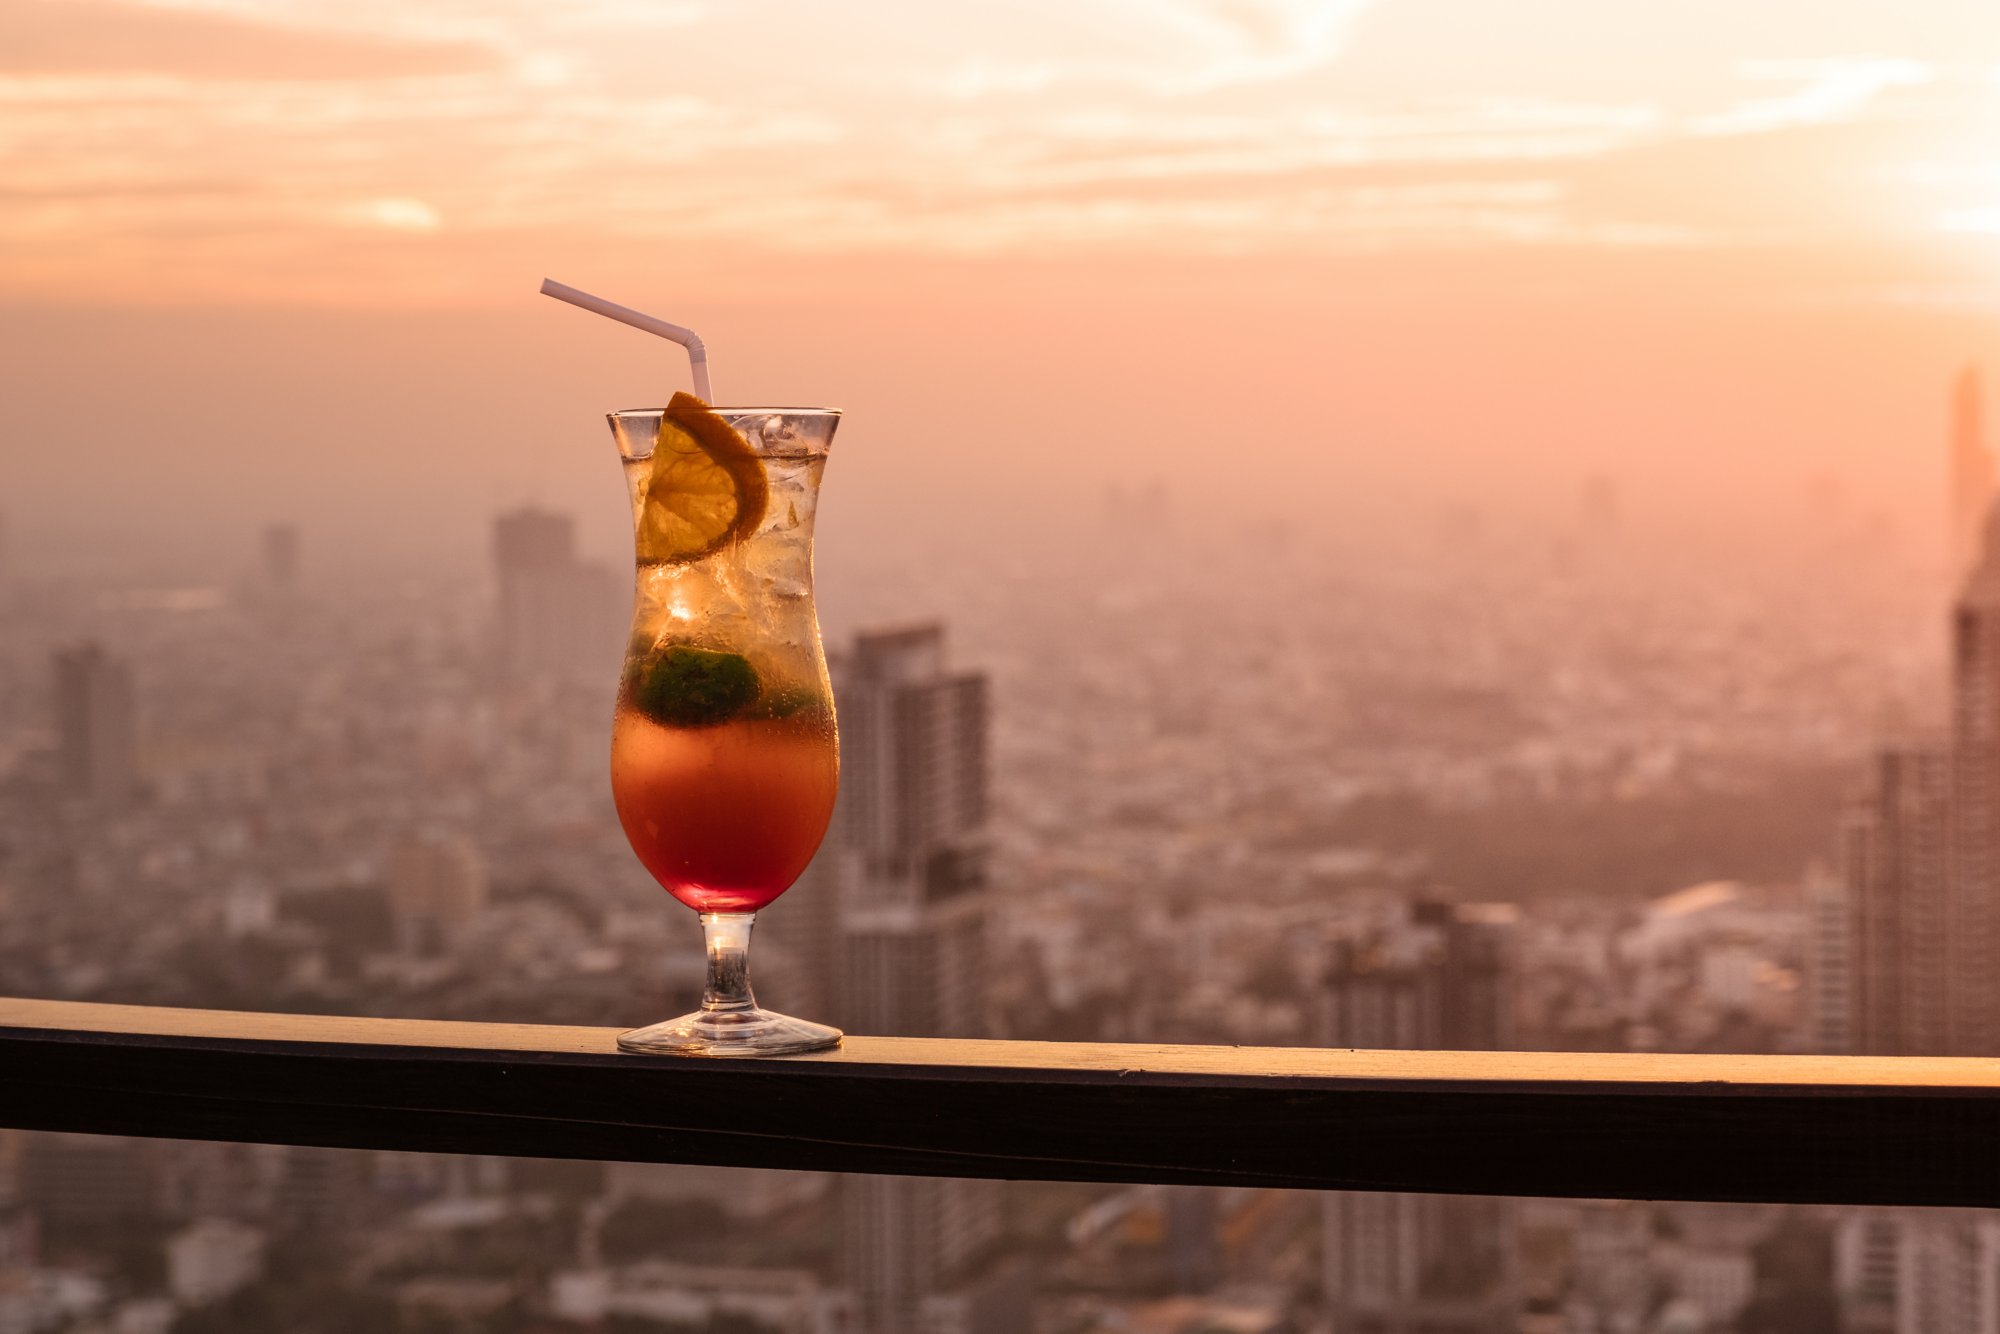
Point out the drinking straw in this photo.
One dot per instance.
(687, 338)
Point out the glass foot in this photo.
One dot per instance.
(746, 1032)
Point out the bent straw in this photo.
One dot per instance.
(687, 338)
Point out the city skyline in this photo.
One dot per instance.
(406, 816)
(1358, 524)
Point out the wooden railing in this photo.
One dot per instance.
(1861, 1130)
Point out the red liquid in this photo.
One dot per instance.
(725, 817)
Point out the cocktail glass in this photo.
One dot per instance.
(724, 757)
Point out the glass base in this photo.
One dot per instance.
(746, 1032)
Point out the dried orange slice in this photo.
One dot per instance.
(705, 489)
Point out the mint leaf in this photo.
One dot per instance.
(683, 686)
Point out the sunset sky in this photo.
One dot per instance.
(1453, 246)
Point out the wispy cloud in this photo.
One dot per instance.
(1835, 89)
(1165, 47)
(334, 126)
(396, 215)
(112, 36)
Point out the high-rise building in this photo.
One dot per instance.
(1920, 862)
(1973, 923)
(1830, 970)
(1895, 864)
(913, 755)
(887, 926)
(918, 1244)
(1949, 1272)
(1920, 859)
(1868, 1277)
(436, 887)
(1971, 472)
(1476, 989)
(1443, 980)
(895, 945)
(1395, 1263)
(912, 817)
(96, 724)
(800, 948)
(278, 558)
(558, 615)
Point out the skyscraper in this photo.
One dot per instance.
(96, 724)
(1921, 859)
(1396, 1263)
(1476, 983)
(913, 751)
(918, 1252)
(1895, 861)
(1973, 929)
(1830, 969)
(1444, 980)
(1971, 472)
(889, 921)
(558, 615)
(1948, 1271)
(896, 939)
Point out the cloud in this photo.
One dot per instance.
(1161, 47)
(1829, 90)
(1212, 150)
(321, 128)
(72, 37)
(396, 215)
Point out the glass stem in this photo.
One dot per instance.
(728, 937)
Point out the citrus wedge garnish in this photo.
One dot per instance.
(706, 487)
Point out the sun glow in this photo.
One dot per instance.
(396, 215)
(318, 130)
(1983, 220)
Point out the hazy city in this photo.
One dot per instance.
(1563, 786)
(1359, 527)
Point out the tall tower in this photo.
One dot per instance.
(1974, 914)
(1971, 473)
(902, 887)
(886, 927)
(913, 742)
(557, 614)
(1400, 1263)
(905, 859)
(1831, 1003)
(1896, 865)
(96, 724)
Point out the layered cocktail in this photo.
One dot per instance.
(724, 757)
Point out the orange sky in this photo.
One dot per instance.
(1448, 247)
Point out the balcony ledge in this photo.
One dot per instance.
(1801, 1129)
